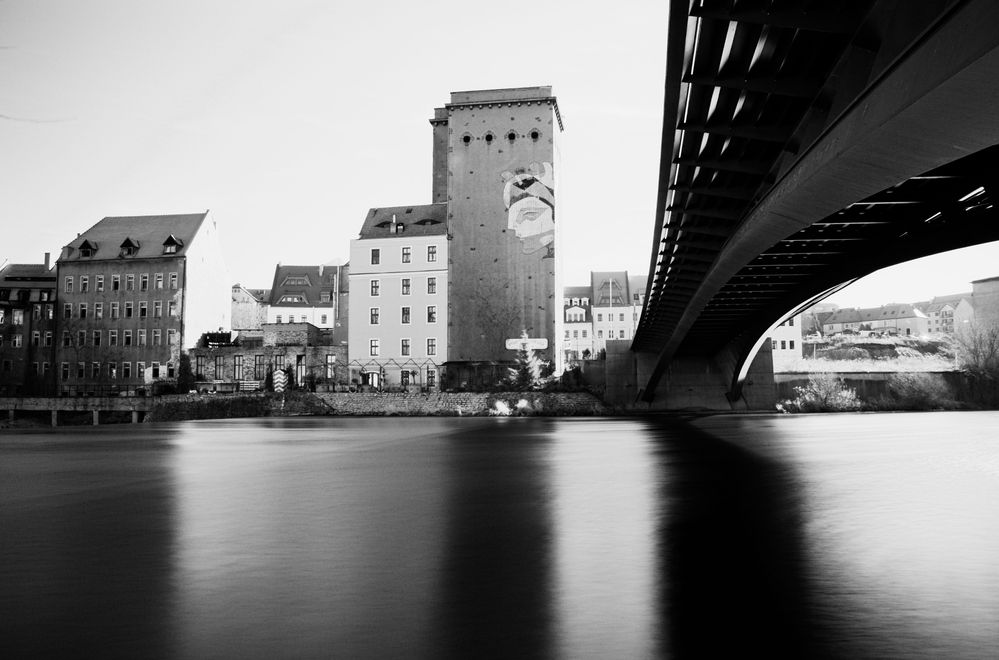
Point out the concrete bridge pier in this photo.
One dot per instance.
(687, 383)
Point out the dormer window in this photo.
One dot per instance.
(171, 244)
(88, 248)
(292, 299)
(129, 248)
(296, 280)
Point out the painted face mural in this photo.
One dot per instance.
(529, 197)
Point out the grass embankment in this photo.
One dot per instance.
(846, 354)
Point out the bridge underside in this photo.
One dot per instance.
(870, 144)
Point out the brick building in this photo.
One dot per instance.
(27, 328)
(133, 293)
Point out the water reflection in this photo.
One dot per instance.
(87, 529)
(818, 536)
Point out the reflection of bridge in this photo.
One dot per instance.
(805, 144)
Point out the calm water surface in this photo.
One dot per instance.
(841, 536)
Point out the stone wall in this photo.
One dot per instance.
(461, 403)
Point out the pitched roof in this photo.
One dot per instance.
(883, 313)
(149, 232)
(576, 292)
(26, 272)
(420, 220)
(307, 283)
(610, 288)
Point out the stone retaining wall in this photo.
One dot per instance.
(461, 403)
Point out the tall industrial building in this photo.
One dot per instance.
(495, 161)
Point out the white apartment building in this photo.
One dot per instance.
(399, 298)
(786, 344)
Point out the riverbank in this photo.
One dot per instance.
(377, 404)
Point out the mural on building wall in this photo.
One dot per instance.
(529, 198)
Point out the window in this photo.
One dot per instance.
(566, 334)
(36, 338)
(171, 337)
(431, 346)
(141, 337)
(49, 313)
(783, 344)
(404, 377)
(114, 310)
(36, 312)
(67, 310)
(112, 337)
(98, 310)
(431, 253)
(584, 334)
(172, 308)
(126, 369)
(112, 370)
(376, 256)
(620, 334)
(64, 370)
(791, 344)
(278, 362)
(173, 280)
(128, 309)
(95, 339)
(322, 319)
(68, 285)
(34, 367)
(575, 334)
(790, 323)
(95, 369)
(330, 365)
(431, 377)
(48, 338)
(324, 296)
(84, 284)
(600, 317)
(67, 339)
(600, 334)
(237, 367)
(277, 319)
(407, 255)
(373, 316)
(374, 287)
(620, 317)
(431, 313)
(83, 310)
(405, 347)
(143, 309)
(130, 283)
(81, 370)
(259, 366)
(127, 338)
(157, 337)
(158, 281)
(144, 282)
(158, 309)
(373, 347)
(154, 368)
(219, 367)
(116, 282)
(45, 368)
(405, 286)
(81, 337)
(431, 285)
(140, 370)
(17, 317)
(405, 314)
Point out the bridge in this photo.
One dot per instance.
(805, 144)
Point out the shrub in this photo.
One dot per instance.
(919, 391)
(824, 393)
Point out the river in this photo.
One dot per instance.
(839, 536)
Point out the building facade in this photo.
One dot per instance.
(398, 295)
(133, 293)
(27, 328)
(786, 344)
(306, 294)
(249, 308)
(495, 165)
(985, 301)
(945, 314)
(902, 320)
(578, 323)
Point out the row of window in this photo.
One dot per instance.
(784, 344)
(304, 318)
(115, 309)
(406, 256)
(406, 285)
(575, 334)
(405, 347)
(374, 315)
(112, 370)
(17, 315)
(114, 338)
(116, 282)
(610, 317)
(24, 295)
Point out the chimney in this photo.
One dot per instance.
(47, 257)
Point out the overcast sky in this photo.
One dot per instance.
(290, 119)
